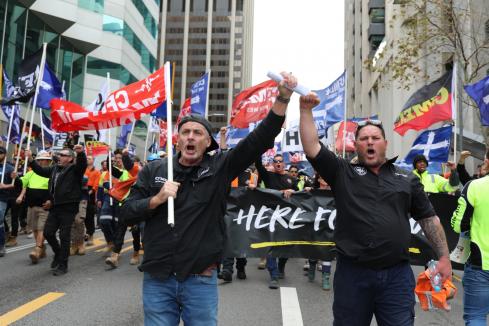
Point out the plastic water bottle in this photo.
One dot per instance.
(434, 278)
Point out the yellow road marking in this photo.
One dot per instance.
(28, 308)
(456, 277)
(126, 249)
(97, 242)
(289, 243)
(102, 249)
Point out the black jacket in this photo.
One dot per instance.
(197, 239)
(68, 187)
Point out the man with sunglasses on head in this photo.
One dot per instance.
(374, 201)
(277, 179)
(65, 187)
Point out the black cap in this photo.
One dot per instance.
(419, 157)
(200, 119)
(3, 150)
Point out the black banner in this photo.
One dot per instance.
(261, 221)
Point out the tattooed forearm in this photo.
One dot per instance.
(434, 232)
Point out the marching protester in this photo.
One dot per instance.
(482, 169)
(277, 179)
(132, 169)
(65, 187)
(78, 226)
(372, 232)
(180, 261)
(472, 215)
(6, 189)
(242, 180)
(109, 207)
(93, 176)
(434, 183)
(35, 193)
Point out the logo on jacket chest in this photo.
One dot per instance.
(360, 170)
(160, 180)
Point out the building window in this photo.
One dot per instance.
(113, 25)
(100, 67)
(149, 21)
(92, 5)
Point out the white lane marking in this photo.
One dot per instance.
(291, 310)
(19, 248)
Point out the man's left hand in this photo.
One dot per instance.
(444, 267)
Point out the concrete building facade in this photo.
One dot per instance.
(199, 35)
(372, 29)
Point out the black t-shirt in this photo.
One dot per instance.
(372, 222)
(274, 180)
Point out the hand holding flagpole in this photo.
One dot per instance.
(302, 90)
(169, 129)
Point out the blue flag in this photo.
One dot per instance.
(198, 95)
(331, 109)
(46, 127)
(122, 139)
(433, 144)
(50, 88)
(480, 94)
(160, 111)
(8, 110)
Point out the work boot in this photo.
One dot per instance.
(22, 230)
(108, 249)
(60, 270)
(35, 255)
(273, 284)
(81, 249)
(43, 252)
(135, 258)
(311, 274)
(326, 284)
(90, 240)
(241, 274)
(73, 250)
(262, 264)
(113, 260)
(227, 276)
(11, 242)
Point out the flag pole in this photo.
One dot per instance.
(42, 128)
(169, 129)
(146, 140)
(130, 135)
(34, 103)
(21, 134)
(207, 94)
(3, 35)
(344, 115)
(454, 110)
(8, 140)
(110, 143)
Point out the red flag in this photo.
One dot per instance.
(96, 148)
(121, 107)
(428, 105)
(162, 134)
(351, 127)
(184, 111)
(253, 104)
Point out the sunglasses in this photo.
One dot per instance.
(367, 122)
(277, 161)
(64, 155)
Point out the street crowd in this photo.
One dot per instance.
(64, 197)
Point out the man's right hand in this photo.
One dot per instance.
(169, 189)
(19, 199)
(309, 102)
(463, 156)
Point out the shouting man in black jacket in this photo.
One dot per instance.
(180, 279)
(65, 187)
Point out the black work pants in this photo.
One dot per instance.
(60, 217)
(120, 233)
(16, 211)
(90, 218)
(227, 264)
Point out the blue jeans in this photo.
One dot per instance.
(3, 209)
(274, 268)
(194, 300)
(361, 292)
(476, 295)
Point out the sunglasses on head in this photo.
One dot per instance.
(367, 122)
(277, 161)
